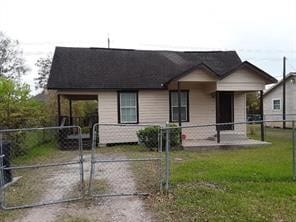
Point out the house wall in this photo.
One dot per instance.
(241, 80)
(198, 76)
(154, 110)
(277, 93)
(240, 112)
(153, 106)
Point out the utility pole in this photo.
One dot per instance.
(108, 40)
(284, 92)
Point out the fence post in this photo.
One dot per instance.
(218, 134)
(262, 130)
(167, 155)
(160, 156)
(294, 149)
(80, 145)
(94, 143)
(2, 180)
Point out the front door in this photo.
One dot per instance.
(225, 110)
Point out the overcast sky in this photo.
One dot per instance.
(261, 31)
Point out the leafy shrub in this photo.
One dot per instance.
(149, 136)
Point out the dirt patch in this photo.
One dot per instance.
(118, 178)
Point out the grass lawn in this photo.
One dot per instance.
(232, 185)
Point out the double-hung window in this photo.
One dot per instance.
(174, 109)
(276, 104)
(128, 107)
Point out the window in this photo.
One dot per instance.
(276, 104)
(128, 107)
(174, 109)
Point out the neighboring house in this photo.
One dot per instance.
(149, 87)
(273, 100)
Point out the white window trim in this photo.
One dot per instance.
(122, 107)
(272, 104)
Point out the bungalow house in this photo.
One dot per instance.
(154, 87)
(273, 101)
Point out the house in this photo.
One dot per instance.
(273, 101)
(150, 87)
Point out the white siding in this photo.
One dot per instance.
(154, 109)
(241, 80)
(202, 110)
(240, 112)
(153, 106)
(198, 76)
(277, 93)
(107, 107)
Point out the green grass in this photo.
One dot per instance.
(233, 185)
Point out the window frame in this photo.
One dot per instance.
(170, 106)
(272, 104)
(119, 107)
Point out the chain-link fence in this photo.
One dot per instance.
(126, 160)
(273, 146)
(40, 166)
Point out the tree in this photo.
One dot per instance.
(44, 65)
(253, 106)
(18, 108)
(12, 63)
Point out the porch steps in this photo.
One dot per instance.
(229, 136)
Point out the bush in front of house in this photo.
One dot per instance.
(149, 136)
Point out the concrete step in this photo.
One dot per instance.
(228, 135)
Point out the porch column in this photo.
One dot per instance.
(179, 104)
(262, 115)
(70, 111)
(59, 109)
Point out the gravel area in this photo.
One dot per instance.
(118, 177)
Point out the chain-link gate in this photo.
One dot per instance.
(41, 166)
(126, 160)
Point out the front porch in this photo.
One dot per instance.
(68, 116)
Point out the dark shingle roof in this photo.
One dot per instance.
(101, 68)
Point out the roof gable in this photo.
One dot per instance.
(268, 79)
(288, 77)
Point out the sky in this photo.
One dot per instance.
(261, 31)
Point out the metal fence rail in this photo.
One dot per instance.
(41, 166)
